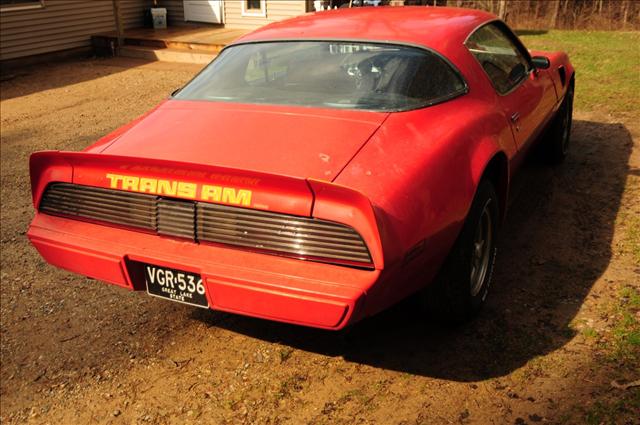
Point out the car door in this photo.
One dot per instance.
(527, 99)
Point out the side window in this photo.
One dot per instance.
(501, 59)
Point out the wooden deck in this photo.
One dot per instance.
(208, 38)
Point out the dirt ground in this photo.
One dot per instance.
(74, 350)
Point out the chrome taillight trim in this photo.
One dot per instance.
(272, 233)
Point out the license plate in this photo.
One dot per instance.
(175, 285)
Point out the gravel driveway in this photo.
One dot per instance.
(79, 351)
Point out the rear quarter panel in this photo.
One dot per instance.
(421, 170)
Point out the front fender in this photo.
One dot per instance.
(560, 71)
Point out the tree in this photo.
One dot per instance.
(554, 13)
(502, 10)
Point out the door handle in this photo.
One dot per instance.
(515, 117)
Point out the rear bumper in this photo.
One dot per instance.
(265, 286)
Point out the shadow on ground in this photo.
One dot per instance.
(554, 245)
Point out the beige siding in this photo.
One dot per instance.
(276, 11)
(61, 25)
(175, 11)
(133, 12)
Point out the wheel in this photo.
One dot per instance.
(560, 131)
(461, 287)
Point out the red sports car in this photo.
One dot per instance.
(319, 170)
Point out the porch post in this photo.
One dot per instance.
(119, 24)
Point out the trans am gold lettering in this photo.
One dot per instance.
(226, 195)
(148, 185)
(189, 190)
(130, 183)
(167, 187)
(114, 179)
(233, 197)
(211, 193)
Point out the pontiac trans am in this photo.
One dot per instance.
(318, 171)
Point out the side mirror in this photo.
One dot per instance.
(540, 62)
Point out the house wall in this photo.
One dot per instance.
(175, 11)
(277, 10)
(62, 25)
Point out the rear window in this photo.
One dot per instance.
(378, 77)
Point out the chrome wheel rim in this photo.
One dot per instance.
(481, 250)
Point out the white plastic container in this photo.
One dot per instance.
(159, 16)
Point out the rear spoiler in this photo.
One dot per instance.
(197, 182)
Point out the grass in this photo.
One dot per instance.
(608, 81)
(590, 333)
(613, 411)
(625, 344)
(623, 350)
(607, 66)
(633, 238)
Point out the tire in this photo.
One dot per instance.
(462, 285)
(560, 130)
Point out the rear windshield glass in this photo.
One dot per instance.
(347, 75)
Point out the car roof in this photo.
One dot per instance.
(434, 27)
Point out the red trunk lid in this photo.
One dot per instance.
(289, 141)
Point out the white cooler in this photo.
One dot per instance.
(159, 17)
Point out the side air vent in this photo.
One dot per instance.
(563, 75)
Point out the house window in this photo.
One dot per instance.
(7, 5)
(254, 8)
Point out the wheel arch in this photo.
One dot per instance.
(497, 172)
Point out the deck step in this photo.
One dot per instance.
(173, 44)
(167, 55)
